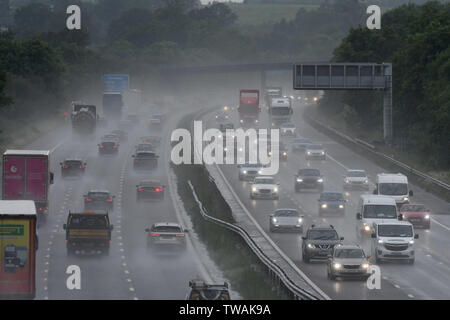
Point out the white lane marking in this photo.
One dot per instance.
(397, 286)
(57, 146)
(440, 224)
(411, 296)
(333, 159)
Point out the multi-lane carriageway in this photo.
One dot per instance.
(428, 278)
(129, 272)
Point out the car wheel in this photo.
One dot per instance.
(305, 258)
(271, 229)
(300, 230)
(276, 198)
(251, 196)
(411, 261)
(332, 277)
(377, 260)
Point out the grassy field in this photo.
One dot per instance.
(266, 14)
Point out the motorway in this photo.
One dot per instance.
(428, 278)
(129, 272)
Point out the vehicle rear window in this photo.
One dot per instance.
(88, 221)
(108, 144)
(209, 294)
(146, 155)
(309, 172)
(98, 195)
(172, 229)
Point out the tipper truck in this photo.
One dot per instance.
(27, 176)
(249, 106)
(18, 245)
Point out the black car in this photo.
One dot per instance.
(204, 291)
(282, 151)
(98, 200)
(72, 168)
(108, 147)
(150, 189)
(308, 179)
(145, 147)
(123, 136)
(319, 241)
(145, 160)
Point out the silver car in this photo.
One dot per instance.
(356, 179)
(348, 261)
(286, 220)
(315, 151)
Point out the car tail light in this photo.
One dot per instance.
(101, 146)
(81, 167)
(67, 241)
(136, 160)
(155, 234)
(40, 209)
(140, 189)
(180, 235)
(109, 200)
(88, 199)
(158, 189)
(65, 166)
(114, 146)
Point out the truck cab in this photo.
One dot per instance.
(249, 106)
(393, 240)
(374, 209)
(280, 111)
(394, 185)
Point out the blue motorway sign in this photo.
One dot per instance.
(116, 82)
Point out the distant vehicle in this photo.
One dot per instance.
(144, 147)
(319, 242)
(315, 151)
(394, 185)
(99, 200)
(203, 291)
(126, 125)
(108, 147)
(333, 202)
(83, 118)
(122, 134)
(145, 160)
(134, 118)
(288, 129)
(72, 168)
(166, 234)
(393, 240)
(249, 106)
(222, 117)
(112, 104)
(300, 144)
(153, 140)
(265, 187)
(18, 246)
(26, 176)
(282, 150)
(88, 232)
(308, 178)
(280, 111)
(156, 121)
(417, 214)
(249, 171)
(373, 209)
(224, 126)
(348, 261)
(286, 220)
(272, 92)
(356, 179)
(149, 190)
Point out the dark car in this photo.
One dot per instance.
(308, 179)
(145, 160)
(145, 147)
(417, 214)
(333, 202)
(72, 168)
(319, 241)
(166, 235)
(122, 134)
(99, 200)
(203, 291)
(282, 150)
(108, 147)
(150, 189)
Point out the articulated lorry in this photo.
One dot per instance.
(249, 106)
(84, 119)
(27, 176)
(280, 111)
(18, 245)
(272, 92)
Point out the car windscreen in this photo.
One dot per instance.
(263, 181)
(332, 197)
(287, 213)
(413, 208)
(172, 229)
(98, 195)
(322, 235)
(349, 253)
(309, 172)
(380, 211)
(356, 174)
(395, 231)
(72, 163)
(393, 189)
(88, 221)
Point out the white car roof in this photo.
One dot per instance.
(377, 199)
(391, 178)
(396, 222)
(27, 152)
(17, 207)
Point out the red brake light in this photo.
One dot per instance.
(65, 166)
(81, 167)
(155, 234)
(180, 235)
(101, 146)
(158, 189)
(109, 200)
(88, 199)
(140, 189)
(115, 146)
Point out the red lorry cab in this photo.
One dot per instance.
(27, 176)
(18, 245)
(249, 98)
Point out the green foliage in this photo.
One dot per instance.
(4, 100)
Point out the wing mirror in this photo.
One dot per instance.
(303, 238)
(358, 216)
(60, 163)
(64, 226)
(411, 193)
(342, 238)
(186, 230)
(111, 227)
(52, 177)
(373, 235)
(416, 236)
(147, 230)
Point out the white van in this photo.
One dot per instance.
(394, 185)
(374, 209)
(393, 240)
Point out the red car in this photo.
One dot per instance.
(417, 214)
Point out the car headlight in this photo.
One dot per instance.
(411, 242)
(366, 181)
(310, 246)
(300, 220)
(322, 153)
(274, 220)
(275, 189)
(254, 189)
(324, 206)
(308, 152)
(320, 180)
(270, 153)
(427, 216)
(220, 136)
(240, 149)
(241, 121)
(225, 149)
(347, 181)
(405, 198)
(256, 121)
(367, 227)
(380, 241)
(284, 153)
(341, 206)
(337, 266)
(217, 117)
(365, 266)
(299, 180)
(259, 171)
(244, 172)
